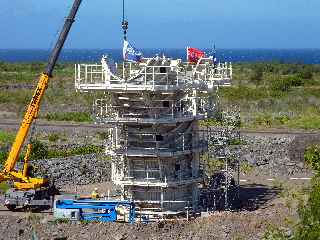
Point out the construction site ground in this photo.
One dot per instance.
(266, 201)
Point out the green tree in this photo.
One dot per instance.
(312, 157)
(309, 226)
(306, 73)
(39, 150)
(257, 75)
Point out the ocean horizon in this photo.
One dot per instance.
(306, 56)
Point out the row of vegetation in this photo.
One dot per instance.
(61, 102)
(308, 226)
(41, 150)
(69, 116)
(275, 95)
(27, 72)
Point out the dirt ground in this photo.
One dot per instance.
(264, 204)
(246, 225)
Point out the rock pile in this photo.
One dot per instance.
(269, 154)
(76, 170)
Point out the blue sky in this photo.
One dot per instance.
(164, 23)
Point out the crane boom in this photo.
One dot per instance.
(33, 108)
(63, 37)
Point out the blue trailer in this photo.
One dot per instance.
(95, 210)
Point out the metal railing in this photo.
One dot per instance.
(191, 107)
(98, 76)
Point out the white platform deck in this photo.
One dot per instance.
(155, 74)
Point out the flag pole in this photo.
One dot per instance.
(188, 54)
(124, 25)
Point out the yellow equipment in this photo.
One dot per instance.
(95, 194)
(29, 191)
(22, 181)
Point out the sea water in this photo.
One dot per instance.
(307, 56)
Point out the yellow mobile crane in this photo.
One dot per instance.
(29, 191)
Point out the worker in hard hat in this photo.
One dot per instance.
(95, 193)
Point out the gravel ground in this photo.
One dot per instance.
(225, 225)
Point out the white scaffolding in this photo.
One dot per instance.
(153, 112)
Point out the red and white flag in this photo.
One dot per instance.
(194, 55)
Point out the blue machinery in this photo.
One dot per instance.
(95, 210)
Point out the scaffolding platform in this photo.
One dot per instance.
(152, 110)
(152, 74)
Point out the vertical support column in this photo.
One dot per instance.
(195, 155)
(123, 70)
(160, 169)
(128, 173)
(153, 78)
(145, 76)
(76, 76)
(162, 198)
(79, 72)
(116, 138)
(195, 196)
(86, 74)
(194, 102)
(172, 110)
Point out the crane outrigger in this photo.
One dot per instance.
(29, 191)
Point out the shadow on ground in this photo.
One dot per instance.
(248, 197)
(255, 196)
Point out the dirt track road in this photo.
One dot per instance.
(42, 124)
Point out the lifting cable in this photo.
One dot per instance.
(125, 22)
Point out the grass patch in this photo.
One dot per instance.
(69, 116)
(41, 151)
(210, 122)
(274, 233)
(6, 137)
(246, 168)
(237, 141)
(4, 187)
(212, 165)
(102, 135)
(243, 93)
(61, 221)
(20, 97)
(54, 137)
(90, 149)
(3, 157)
(305, 122)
